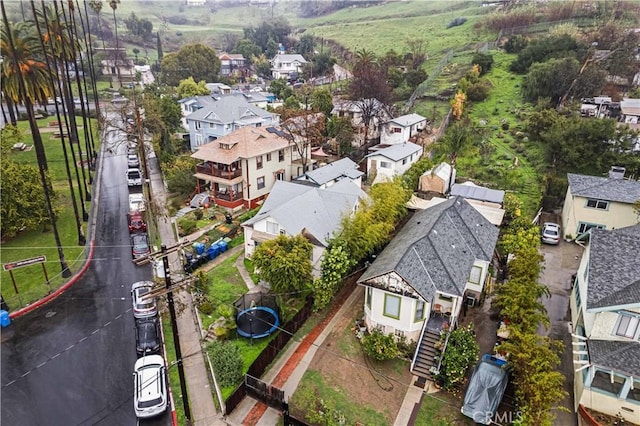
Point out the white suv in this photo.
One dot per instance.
(150, 386)
(134, 177)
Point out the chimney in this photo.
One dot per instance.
(616, 172)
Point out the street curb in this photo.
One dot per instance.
(58, 292)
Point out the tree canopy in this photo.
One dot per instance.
(189, 87)
(194, 60)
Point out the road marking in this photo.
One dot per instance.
(41, 364)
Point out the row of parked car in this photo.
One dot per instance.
(140, 245)
(150, 371)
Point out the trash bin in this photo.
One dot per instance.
(222, 245)
(4, 319)
(213, 251)
(199, 248)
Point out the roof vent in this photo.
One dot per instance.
(616, 172)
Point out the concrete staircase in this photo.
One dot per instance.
(199, 199)
(426, 354)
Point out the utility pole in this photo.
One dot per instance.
(176, 336)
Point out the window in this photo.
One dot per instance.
(443, 297)
(281, 155)
(259, 162)
(584, 227)
(404, 161)
(268, 157)
(627, 326)
(385, 165)
(391, 306)
(474, 276)
(212, 125)
(369, 296)
(597, 204)
(578, 301)
(602, 381)
(397, 130)
(260, 182)
(197, 125)
(634, 394)
(419, 311)
(272, 228)
(279, 175)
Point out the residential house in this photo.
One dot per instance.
(215, 117)
(489, 202)
(436, 263)
(353, 109)
(232, 64)
(287, 66)
(124, 68)
(401, 129)
(330, 174)
(394, 160)
(599, 202)
(605, 313)
(293, 209)
(239, 169)
(437, 180)
(218, 89)
(630, 111)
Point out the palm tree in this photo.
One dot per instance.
(81, 237)
(114, 5)
(457, 139)
(28, 83)
(96, 5)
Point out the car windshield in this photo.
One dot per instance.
(151, 403)
(134, 174)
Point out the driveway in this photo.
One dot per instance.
(560, 263)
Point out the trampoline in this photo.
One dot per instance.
(257, 322)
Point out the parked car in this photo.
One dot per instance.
(139, 245)
(133, 161)
(550, 233)
(134, 177)
(137, 202)
(486, 389)
(150, 386)
(148, 336)
(143, 307)
(136, 222)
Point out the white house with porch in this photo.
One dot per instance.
(402, 129)
(435, 264)
(605, 313)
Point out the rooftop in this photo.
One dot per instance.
(247, 142)
(604, 188)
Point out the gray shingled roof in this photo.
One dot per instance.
(437, 247)
(614, 267)
(615, 355)
(319, 211)
(397, 151)
(228, 109)
(601, 188)
(332, 171)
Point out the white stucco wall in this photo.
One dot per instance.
(397, 168)
(374, 316)
(574, 211)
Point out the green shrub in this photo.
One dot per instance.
(226, 361)
(206, 308)
(461, 353)
(379, 346)
(248, 215)
(187, 226)
(198, 214)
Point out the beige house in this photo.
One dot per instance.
(240, 169)
(605, 313)
(599, 202)
(436, 263)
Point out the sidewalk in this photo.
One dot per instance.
(200, 393)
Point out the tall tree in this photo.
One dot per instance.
(114, 5)
(369, 89)
(188, 87)
(193, 60)
(28, 72)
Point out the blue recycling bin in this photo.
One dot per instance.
(223, 246)
(199, 248)
(4, 319)
(213, 251)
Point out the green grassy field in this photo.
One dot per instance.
(30, 280)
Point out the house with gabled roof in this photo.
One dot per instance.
(313, 212)
(239, 169)
(402, 129)
(599, 202)
(437, 262)
(332, 173)
(385, 163)
(232, 64)
(215, 117)
(605, 313)
(288, 66)
(354, 111)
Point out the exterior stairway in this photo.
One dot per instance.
(426, 354)
(199, 199)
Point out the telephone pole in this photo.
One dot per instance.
(176, 334)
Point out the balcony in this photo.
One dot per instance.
(224, 173)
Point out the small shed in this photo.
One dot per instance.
(437, 180)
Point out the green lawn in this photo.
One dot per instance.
(30, 280)
(441, 409)
(174, 375)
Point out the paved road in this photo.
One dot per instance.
(71, 361)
